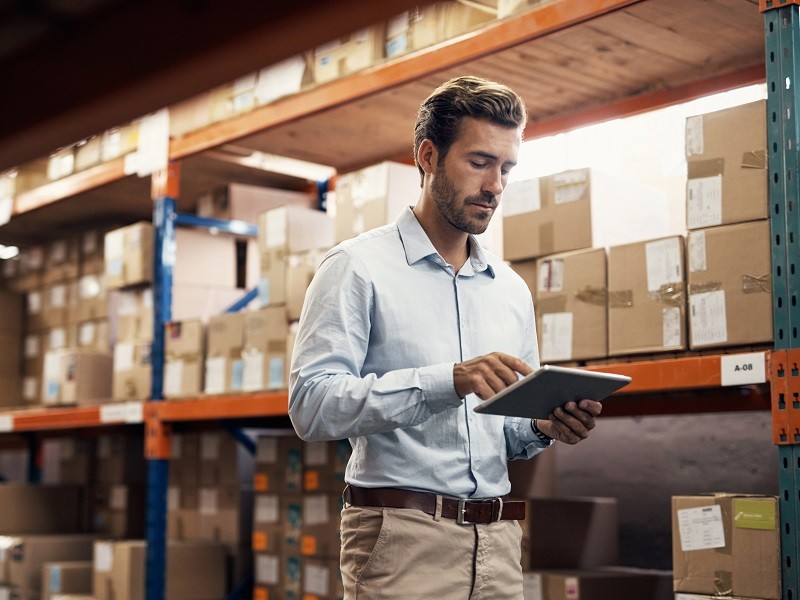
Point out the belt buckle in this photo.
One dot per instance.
(461, 513)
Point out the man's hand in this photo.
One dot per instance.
(572, 423)
(486, 375)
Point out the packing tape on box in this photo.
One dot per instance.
(553, 304)
(593, 294)
(671, 294)
(620, 298)
(754, 159)
(705, 286)
(756, 283)
(705, 168)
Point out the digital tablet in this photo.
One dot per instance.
(536, 395)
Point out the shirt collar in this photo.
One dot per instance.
(417, 245)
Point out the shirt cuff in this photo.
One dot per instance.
(438, 387)
(529, 437)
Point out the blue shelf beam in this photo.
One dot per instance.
(233, 227)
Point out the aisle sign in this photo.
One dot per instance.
(743, 369)
(6, 423)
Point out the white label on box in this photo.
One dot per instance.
(58, 338)
(89, 287)
(521, 197)
(704, 202)
(267, 569)
(209, 446)
(58, 296)
(6, 423)
(663, 259)
(245, 84)
(709, 324)
(173, 378)
(86, 334)
(35, 302)
(6, 209)
(103, 557)
(697, 251)
(114, 244)
(315, 510)
(743, 369)
(315, 580)
(275, 373)
(671, 326)
(551, 276)
(31, 346)
(572, 589)
(532, 586)
(316, 454)
(267, 509)
(209, 501)
(119, 498)
(281, 79)
(694, 135)
(253, 376)
(701, 528)
(173, 498)
(30, 388)
(276, 223)
(570, 186)
(267, 451)
(557, 336)
(52, 365)
(215, 375)
(397, 25)
(123, 356)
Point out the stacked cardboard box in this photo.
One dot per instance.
(117, 493)
(296, 518)
(224, 367)
(242, 202)
(619, 583)
(184, 350)
(11, 305)
(133, 322)
(727, 544)
(69, 577)
(348, 54)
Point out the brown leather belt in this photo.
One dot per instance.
(465, 512)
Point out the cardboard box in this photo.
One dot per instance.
(727, 166)
(189, 115)
(324, 465)
(26, 555)
(322, 579)
(132, 371)
(571, 305)
(34, 509)
(88, 153)
(70, 577)
(279, 463)
(197, 570)
(184, 467)
(727, 544)
(92, 249)
(277, 576)
(34, 310)
(184, 346)
(372, 197)
(94, 336)
(729, 275)
(224, 367)
(242, 202)
(234, 98)
(10, 354)
(129, 255)
(69, 461)
(619, 583)
(204, 302)
(646, 297)
(224, 461)
(117, 510)
(73, 376)
(119, 141)
(571, 532)
(131, 314)
(321, 519)
(120, 460)
(225, 515)
(92, 298)
(582, 208)
(264, 352)
(300, 270)
(11, 311)
(348, 54)
(62, 260)
(267, 526)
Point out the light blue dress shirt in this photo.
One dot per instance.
(384, 321)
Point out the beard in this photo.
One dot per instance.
(453, 209)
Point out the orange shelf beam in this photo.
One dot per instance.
(83, 181)
(668, 375)
(235, 406)
(72, 417)
(489, 40)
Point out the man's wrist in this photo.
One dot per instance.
(543, 437)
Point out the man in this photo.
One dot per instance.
(404, 330)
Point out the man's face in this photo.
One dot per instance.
(466, 188)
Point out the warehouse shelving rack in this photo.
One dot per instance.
(596, 80)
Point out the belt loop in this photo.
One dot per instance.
(437, 514)
(346, 496)
(500, 512)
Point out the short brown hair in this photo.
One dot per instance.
(439, 116)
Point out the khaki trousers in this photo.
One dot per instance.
(400, 553)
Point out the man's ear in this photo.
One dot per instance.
(427, 156)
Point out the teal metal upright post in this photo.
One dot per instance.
(782, 41)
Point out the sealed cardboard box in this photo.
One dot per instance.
(727, 544)
(35, 309)
(33, 509)
(646, 297)
(224, 368)
(348, 54)
(224, 461)
(727, 162)
(62, 259)
(184, 346)
(264, 352)
(582, 208)
(571, 532)
(324, 465)
(730, 291)
(11, 311)
(279, 463)
(120, 459)
(267, 526)
(321, 519)
(70, 577)
(619, 583)
(322, 579)
(372, 197)
(10, 354)
(94, 336)
(184, 467)
(73, 376)
(300, 270)
(92, 299)
(69, 460)
(571, 305)
(129, 255)
(277, 575)
(242, 202)
(116, 510)
(183, 516)
(27, 554)
(132, 371)
(225, 515)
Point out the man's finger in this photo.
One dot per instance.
(517, 364)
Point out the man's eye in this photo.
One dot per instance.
(478, 165)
